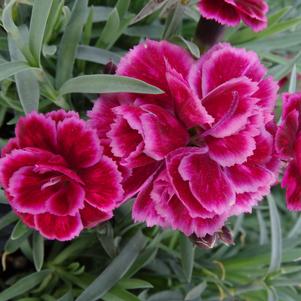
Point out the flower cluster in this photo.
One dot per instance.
(56, 177)
(231, 12)
(195, 155)
(203, 150)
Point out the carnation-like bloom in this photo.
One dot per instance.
(288, 145)
(201, 152)
(231, 12)
(56, 177)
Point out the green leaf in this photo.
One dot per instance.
(151, 7)
(27, 84)
(67, 297)
(293, 80)
(263, 228)
(23, 285)
(96, 55)
(7, 219)
(115, 271)
(19, 230)
(12, 68)
(187, 256)
(132, 284)
(196, 292)
(12, 245)
(38, 250)
(101, 13)
(110, 30)
(39, 17)
(276, 233)
(107, 84)
(15, 33)
(119, 294)
(69, 42)
(122, 7)
(193, 48)
(174, 21)
(53, 18)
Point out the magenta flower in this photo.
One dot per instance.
(201, 152)
(231, 12)
(288, 145)
(56, 177)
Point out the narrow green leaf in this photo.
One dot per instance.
(151, 7)
(296, 230)
(119, 294)
(293, 80)
(7, 219)
(23, 285)
(196, 292)
(122, 7)
(174, 21)
(101, 13)
(53, 18)
(69, 42)
(27, 84)
(187, 256)
(96, 55)
(38, 250)
(12, 68)
(132, 284)
(115, 271)
(19, 230)
(39, 17)
(12, 245)
(263, 234)
(276, 236)
(193, 48)
(110, 30)
(16, 33)
(67, 297)
(107, 84)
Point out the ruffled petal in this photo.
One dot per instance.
(102, 184)
(58, 227)
(231, 150)
(77, 143)
(208, 183)
(36, 130)
(249, 177)
(91, 216)
(181, 187)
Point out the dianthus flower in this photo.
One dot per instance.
(231, 12)
(202, 151)
(56, 177)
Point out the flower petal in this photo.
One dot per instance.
(36, 130)
(58, 227)
(77, 143)
(208, 183)
(102, 184)
(91, 216)
(231, 150)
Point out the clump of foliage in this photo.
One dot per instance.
(53, 55)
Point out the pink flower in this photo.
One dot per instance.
(288, 145)
(201, 152)
(56, 177)
(231, 12)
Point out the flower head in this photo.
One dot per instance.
(288, 145)
(56, 177)
(231, 12)
(204, 149)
